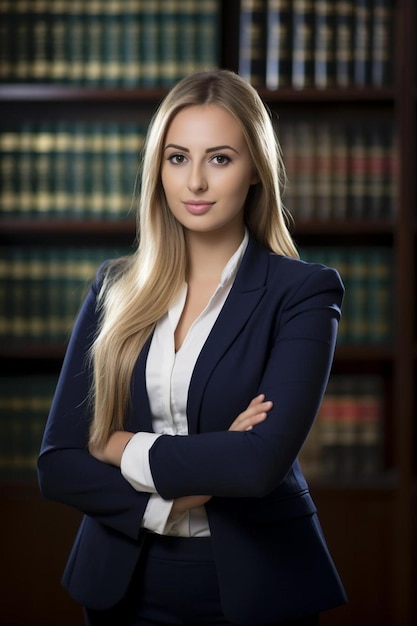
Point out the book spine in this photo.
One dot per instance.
(278, 46)
(361, 43)
(23, 52)
(7, 295)
(112, 172)
(40, 55)
(79, 173)
(95, 152)
(208, 28)
(305, 170)
(370, 440)
(303, 44)
(381, 42)
(187, 37)
(8, 39)
(113, 31)
(343, 41)
(391, 167)
(380, 288)
(323, 171)
(61, 166)
(324, 59)
(168, 42)
(340, 171)
(9, 173)
(26, 168)
(358, 170)
(357, 301)
(76, 43)
(375, 198)
(131, 60)
(328, 435)
(44, 205)
(348, 417)
(150, 28)
(58, 36)
(98, 41)
(252, 38)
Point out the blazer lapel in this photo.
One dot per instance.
(247, 291)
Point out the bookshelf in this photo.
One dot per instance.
(370, 524)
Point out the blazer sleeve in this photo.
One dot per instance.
(66, 470)
(253, 463)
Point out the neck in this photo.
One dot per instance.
(208, 253)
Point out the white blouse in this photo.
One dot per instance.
(168, 375)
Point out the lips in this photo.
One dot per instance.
(197, 207)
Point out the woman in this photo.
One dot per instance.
(193, 375)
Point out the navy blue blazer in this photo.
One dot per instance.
(275, 335)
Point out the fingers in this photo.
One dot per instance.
(256, 413)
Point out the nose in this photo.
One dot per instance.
(197, 181)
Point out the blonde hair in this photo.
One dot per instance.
(138, 290)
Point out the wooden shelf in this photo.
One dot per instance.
(90, 225)
(64, 226)
(66, 93)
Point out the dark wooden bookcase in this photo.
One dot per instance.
(370, 528)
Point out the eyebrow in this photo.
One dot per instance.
(214, 149)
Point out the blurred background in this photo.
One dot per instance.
(79, 81)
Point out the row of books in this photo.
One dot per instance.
(346, 442)
(339, 169)
(322, 43)
(24, 407)
(368, 276)
(129, 43)
(69, 170)
(41, 290)
(73, 170)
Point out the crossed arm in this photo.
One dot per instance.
(255, 413)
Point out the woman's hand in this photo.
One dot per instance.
(256, 413)
(113, 450)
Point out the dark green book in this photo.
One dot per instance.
(207, 54)
(77, 29)
(130, 53)
(149, 52)
(380, 310)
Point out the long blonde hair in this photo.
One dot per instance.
(138, 290)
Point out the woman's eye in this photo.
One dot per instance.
(177, 158)
(221, 159)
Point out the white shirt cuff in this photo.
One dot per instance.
(156, 515)
(134, 464)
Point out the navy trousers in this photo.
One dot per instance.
(175, 583)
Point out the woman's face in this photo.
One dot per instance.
(206, 169)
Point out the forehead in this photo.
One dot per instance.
(205, 123)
